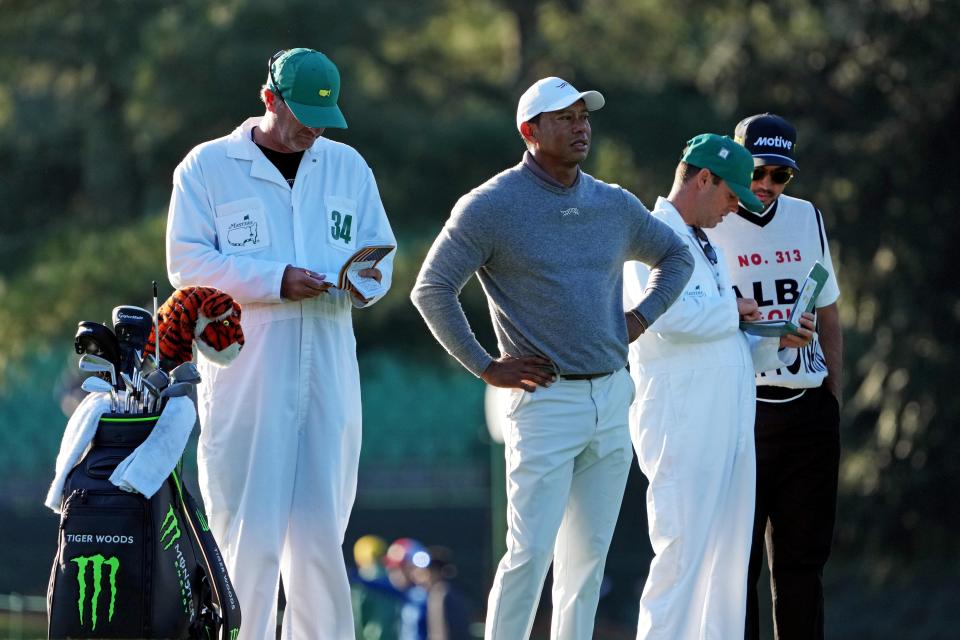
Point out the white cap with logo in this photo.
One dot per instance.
(553, 94)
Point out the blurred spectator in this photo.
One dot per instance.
(404, 557)
(376, 602)
(448, 615)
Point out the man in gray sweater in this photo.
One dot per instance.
(548, 243)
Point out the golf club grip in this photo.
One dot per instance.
(223, 592)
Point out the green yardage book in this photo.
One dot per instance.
(806, 299)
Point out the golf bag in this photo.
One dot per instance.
(132, 567)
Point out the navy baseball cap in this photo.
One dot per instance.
(770, 138)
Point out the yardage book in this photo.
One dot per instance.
(364, 258)
(806, 299)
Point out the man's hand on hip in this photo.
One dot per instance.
(299, 284)
(635, 327)
(525, 373)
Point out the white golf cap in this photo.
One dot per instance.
(553, 94)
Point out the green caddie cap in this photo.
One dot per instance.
(309, 83)
(727, 159)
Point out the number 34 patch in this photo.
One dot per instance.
(341, 222)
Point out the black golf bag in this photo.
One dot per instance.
(132, 567)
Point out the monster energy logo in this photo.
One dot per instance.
(203, 521)
(234, 633)
(170, 529)
(97, 561)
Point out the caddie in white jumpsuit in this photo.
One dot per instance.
(692, 420)
(548, 242)
(264, 214)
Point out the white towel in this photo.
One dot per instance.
(154, 460)
(76, 437)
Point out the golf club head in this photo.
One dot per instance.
(172, 391)
(158, 380)
(96, 364)
(147, 365)
(128, 382)
(185, 372)
(132, 326)
(94, 384)
(98, 339)
(176, 389)
(154, 384)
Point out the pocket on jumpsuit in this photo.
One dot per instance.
(664, 448)
(242, 226)
(211, 439)
(663, 514)
(212, 445)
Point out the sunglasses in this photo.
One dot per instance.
(705, 245)
(779, 175)
(273, 81)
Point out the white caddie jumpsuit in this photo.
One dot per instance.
(692, 427)
(280, 427)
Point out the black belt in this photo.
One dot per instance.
(584, 376)
(767, 392)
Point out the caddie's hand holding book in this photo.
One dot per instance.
(806, 300)
(365, 258)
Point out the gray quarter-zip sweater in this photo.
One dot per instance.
(550, 260)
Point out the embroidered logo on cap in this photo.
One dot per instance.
(763, 141)
(723, 153)
(324, 92)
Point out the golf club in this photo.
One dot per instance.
(96, 364)
(131, 390)
(174, 390)
(138, 372)
(156, 324)
(132, 327)
(154, 383)
(185, 372)
(98, 339)
(94, 384)
(159, 379)
(147, 365)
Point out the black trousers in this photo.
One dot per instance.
(798, 458)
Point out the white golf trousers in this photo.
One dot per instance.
(567, 459)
